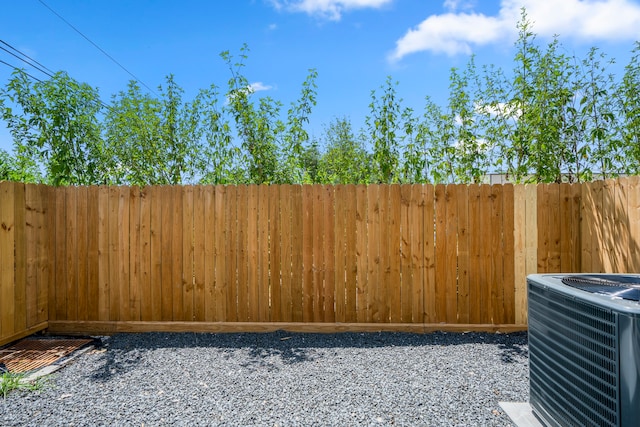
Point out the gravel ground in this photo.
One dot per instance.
(283, 379)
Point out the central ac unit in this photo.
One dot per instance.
(584, 349)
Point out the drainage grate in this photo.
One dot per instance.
(34, 353)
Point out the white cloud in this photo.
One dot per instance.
(272, 27)
(259, 86)
(586, 20)
(329, 9)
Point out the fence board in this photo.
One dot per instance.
(329, 254)
(45, 254)
(395, 282)
(199, 242)
(167, 253)
(33, 229)
(361, 252)
(634, 223)
(463, 303)
(508, 281)
(71, 252)
(519, 256)
(263, 254)
(307, 253)
(318, 214)
(373, 256)
(429, 254)
(145, 256)
(440, 195)
(231, 263)
(188, 244)
(340, 253)
(543, 215)
(7, 259)
(598, 252)
(82, 253)
(555, 228)
(155, 241)
(285, 225)
(351, 260)
(297, 256)
(252, 263)
(218, 255)
(407, 262)
(176, 253)
(135, 253)
(383, 296)
(242, 254)
(417, 235)
(275, 253)
(621, 230)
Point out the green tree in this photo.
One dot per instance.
(628, 101)
(344, 159)
(55, 127)
(383, 127)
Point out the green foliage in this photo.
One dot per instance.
(12, 381)
(628, 104)
(383, 127)
(55, 125)
(345, 159)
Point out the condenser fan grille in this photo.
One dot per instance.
(617, 286)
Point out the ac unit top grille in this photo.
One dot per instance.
(617, 286)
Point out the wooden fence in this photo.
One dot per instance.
(346, 257)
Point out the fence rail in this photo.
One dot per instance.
(252, 257)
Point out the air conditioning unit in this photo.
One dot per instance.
(584, 349)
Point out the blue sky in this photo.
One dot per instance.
(353, 44)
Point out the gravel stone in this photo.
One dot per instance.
(283, 379)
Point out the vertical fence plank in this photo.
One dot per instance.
(45, 254)
(155, 195)
(145, 255)
(393, 262)
(123, 250)
(575, 241)
(167, 253)
(298, 247)
(497, 253)
(7, 258)
(340, 253)
(33, 229)
(329, 269)
(218, 258)
(188, 245)
(441, 284)
(285, 225)
(231, 263)
(82, 253)
(176, 254)
(275, 254)
(351, 260)
(417, 235)
(621, 229)
(103, 254)
(383, 295)
(519, 238)
(135, 253)
(20, 253)
(71, 252)
(531, 218)
(555, 226)
(373, 257)
(252, 253)
(210, 297)
(463, 303)
(395, 283)
(362, 270)
(451, 248)
(476, 234)
(634, 223)
(587, 222)
(598, 251)
(508, 281)
(307, 253)
(93, 250)
(318, 253)
(429, 251)
(407, 263)
(60, 281)
(242, 253)
(264, 300)
(199, 238)
(543, 227)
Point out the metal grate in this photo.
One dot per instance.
(34, 353)
(573, 354)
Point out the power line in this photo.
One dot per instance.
(21, 70)
(99, 101)
(97, 47)
(25, 61)
(26, 56)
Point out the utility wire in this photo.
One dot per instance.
(97, 47)
(26, 62)
(26, 56)
(99, 101)
(20, 69)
